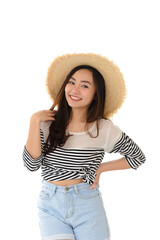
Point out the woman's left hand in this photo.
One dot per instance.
(96, 181)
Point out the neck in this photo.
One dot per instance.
(78, 115)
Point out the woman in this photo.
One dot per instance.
(69, 144)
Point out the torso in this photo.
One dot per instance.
(72, 128)
(67, 182)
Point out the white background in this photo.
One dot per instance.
(33, 33)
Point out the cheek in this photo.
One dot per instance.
(66, 89)
(90, 95)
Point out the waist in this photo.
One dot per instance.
(67, 182)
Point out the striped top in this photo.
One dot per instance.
(81, 155)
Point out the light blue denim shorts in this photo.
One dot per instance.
(72, 212)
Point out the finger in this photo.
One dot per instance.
(52, 111)
(51, 118)
(92, 186)
(50, 114)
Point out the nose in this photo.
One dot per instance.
(76, 88)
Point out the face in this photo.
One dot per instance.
(80, 89)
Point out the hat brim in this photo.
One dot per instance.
(114, 80)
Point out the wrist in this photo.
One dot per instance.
(34, 120)
(103, 167)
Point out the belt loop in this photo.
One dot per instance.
(54, 188)
(76, 189)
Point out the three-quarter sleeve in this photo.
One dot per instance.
(33, 164)
(119, 142)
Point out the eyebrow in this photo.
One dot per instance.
(81, 80)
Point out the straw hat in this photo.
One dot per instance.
(114, 81)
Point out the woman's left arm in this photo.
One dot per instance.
(130, 150)
(133, 157)
(118, 164)
(109, 166)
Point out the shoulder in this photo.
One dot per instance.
(105, 123)
(112, 133)
(109, 127)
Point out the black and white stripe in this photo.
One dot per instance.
(130, 150)
(63, 164)
(66, 163)
(33, 164)
(75, 163)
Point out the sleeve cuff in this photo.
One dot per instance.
(32, 164)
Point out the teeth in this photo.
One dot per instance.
(74, 97)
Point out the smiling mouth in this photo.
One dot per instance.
(75, 98)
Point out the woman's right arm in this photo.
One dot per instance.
(32, 152)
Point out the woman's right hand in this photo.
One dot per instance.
(43, 115)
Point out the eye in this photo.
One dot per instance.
(71, 82)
